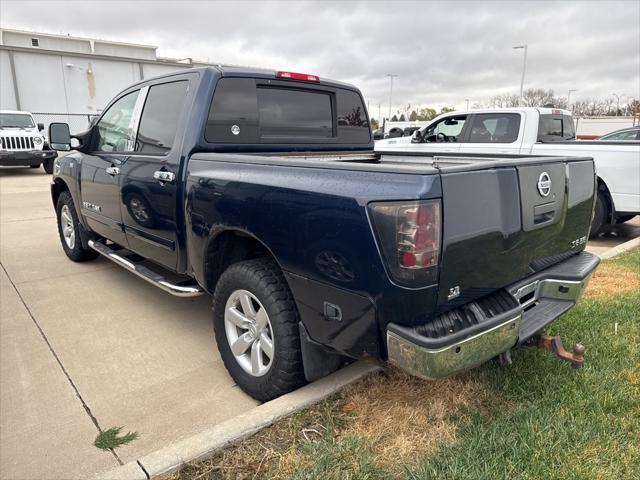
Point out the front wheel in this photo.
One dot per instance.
(68, 229)
(256, 327)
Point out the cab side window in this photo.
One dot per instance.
(555, 128)
(114, 132)
(495, 128)
(160, 115)
(446, 130)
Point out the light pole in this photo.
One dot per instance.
(391, 76)
(524, 69)
(467, 100)
(569, 97)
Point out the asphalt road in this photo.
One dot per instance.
(88, 346)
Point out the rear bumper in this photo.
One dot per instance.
(538, 301)
(27, 157)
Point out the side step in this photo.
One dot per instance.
(189, 290)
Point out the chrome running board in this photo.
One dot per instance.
(188, 290)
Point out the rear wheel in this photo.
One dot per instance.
(256, 327)
(68, 229)
(599, 215)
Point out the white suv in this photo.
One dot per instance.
(22, 143)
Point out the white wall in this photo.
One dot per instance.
(23, 39)
(7, 97)
(40, 82)
(153, 70)
(91, 83)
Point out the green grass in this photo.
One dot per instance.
(110, 439)
(538, 418)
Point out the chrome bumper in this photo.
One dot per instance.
(542, 298)
(470, 352)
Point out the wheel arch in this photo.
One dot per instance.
(57, 187)
(229, 246)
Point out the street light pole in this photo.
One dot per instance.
(569, 97)
(524, 69)
(390, 75)
(467, 100)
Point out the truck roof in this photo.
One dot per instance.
(540, 110)
(231, 71)
(15, 111)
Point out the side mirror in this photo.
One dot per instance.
(416, 137)
(40, 127)
(59, 137)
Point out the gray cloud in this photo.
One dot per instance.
(443, 52)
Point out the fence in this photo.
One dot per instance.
(78, 122)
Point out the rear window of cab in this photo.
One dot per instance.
(255, 111)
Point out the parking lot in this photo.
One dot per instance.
(90, 345)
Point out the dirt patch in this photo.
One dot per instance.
(611, 279)
(398, 417)
(403, 415)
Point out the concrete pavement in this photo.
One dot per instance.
(90, 345)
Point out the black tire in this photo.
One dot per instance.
(48, 166)
(263, 279)
(599, 215)
(76, 251)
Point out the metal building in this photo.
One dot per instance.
(70, 79)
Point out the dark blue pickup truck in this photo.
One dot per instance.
(262, 189)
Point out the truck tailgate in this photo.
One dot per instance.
(503, 224)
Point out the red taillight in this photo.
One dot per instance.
(305, 77)
(418, 229)
(409, 237)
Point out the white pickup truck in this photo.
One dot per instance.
(535, 131)
(22, 142)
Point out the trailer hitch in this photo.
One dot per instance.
(554, 344)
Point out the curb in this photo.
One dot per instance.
(623, 247)
(205, 444)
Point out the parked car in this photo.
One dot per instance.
(315, 249)
(536, 131)
(624, 134)
(22, 143)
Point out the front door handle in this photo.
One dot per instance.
(113, 171)
(163, 176)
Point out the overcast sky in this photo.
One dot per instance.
(442, 52)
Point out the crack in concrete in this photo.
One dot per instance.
(62, 367)
(143, 469)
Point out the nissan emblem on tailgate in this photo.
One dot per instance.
(544, 184)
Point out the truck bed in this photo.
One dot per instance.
(418, 163)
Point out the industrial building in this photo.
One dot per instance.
(70, 79)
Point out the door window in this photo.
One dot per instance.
(446, 130)
(495, 128)
(114, 128)
(159, 121)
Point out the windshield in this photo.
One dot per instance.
(19, 120)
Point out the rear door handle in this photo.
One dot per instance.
(163, 176)
(113, 171)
